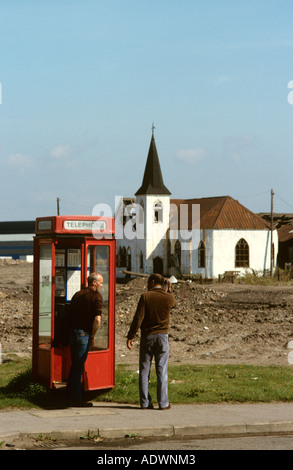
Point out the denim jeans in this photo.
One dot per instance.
(80, 343)
(156, 346)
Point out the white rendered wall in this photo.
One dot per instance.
(155, 235)
(150, 238)
(224, 243)
(220, 252)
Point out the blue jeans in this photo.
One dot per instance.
(156, 346)
(80, 343)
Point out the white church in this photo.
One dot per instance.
(201, 237)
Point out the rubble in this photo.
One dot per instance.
(212, 323)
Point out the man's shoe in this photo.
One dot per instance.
(166, 407)
(150, 407)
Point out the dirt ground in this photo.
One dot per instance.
(212, 323)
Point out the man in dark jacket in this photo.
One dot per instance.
(85, 317)
(152, 316)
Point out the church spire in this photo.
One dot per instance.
(152, 180)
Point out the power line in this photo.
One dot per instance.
(285, 202)
(264, 193)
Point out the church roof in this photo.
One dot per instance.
(152, 180)
(222, 213)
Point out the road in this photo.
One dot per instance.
(188, 445)
(270, 442)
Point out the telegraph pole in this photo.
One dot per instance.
(58, 208)
(272, 227)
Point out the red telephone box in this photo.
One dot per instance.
(66, 250)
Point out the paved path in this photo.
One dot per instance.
(110, 420)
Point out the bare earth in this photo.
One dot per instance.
(215, 323)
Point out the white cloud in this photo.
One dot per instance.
(191, 156)
(60, 152)
(20, 161)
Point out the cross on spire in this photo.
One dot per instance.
(153, 129)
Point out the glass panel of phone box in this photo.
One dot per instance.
(67, 282)
(98, 261)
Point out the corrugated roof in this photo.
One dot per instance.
(224, 212)
(285, 233)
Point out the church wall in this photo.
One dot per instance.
(220, 252)
(224, 244)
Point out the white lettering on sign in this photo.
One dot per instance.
(96, 225)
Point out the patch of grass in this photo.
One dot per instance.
(17, 387)
(231, 383)
(210, 384)
(187, 384)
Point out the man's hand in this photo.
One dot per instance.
(168, 286)
(130, 344)
(92, 344)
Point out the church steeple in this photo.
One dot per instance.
(152, 180)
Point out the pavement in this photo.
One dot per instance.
(110, 420)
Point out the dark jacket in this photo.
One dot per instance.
(152, 315)
(84, 307)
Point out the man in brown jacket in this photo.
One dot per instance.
(152, 316)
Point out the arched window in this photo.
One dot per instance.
(123, 257)
(242, 254)
(158, 212)
(178, 254)
(128, 265)
(201, 255)
(141, 260)
(140, 210)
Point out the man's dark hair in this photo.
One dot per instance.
(157, 278)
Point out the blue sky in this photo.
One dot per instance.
(83, 80)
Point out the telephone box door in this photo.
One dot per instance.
(98, 257)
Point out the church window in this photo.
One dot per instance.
(140, 212)
(201, 255)
(242, 254)
(158, 212)
(122, 257)
(141, 260)
(178, 254)
(128, 259)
